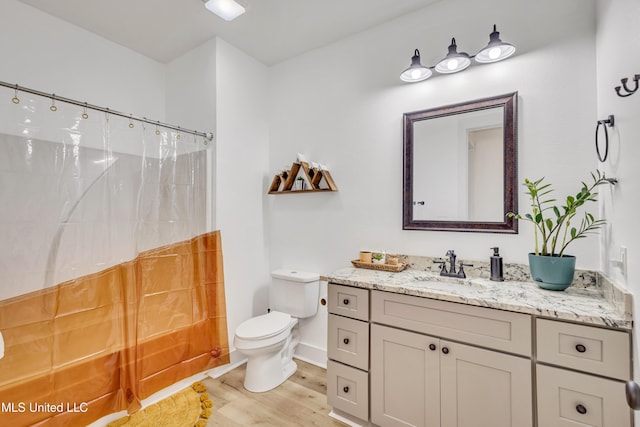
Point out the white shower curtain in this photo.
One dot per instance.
(111, 285)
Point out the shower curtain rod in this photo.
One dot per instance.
(54, 97)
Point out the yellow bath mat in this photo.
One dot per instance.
(190, 407)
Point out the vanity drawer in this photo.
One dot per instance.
(348, 389)
(586, 348)
(348, 341)
(349, 302)
(496, 329)
(573, 399)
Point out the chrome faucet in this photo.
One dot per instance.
(452, 266)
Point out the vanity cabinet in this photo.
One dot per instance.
(348, 350)
(592, 393)
(421, 378)
(403, 360)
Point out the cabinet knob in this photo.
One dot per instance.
(346, 340)
(345, 301)
(581, 348)
(432, 347)
(445, 350)
(581, 409)
(345, 389)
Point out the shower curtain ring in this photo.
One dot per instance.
(53, 103)
(157, 129)
(84, 114)
(178, 135)
(15, 98)
(131, 125)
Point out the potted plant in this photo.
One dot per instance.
(553, 229)
(300, 183)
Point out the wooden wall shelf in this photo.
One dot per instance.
(317, 180)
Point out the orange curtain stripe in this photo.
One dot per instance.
(100, 343)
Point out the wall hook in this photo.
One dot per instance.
(608, 122)
(624, 86)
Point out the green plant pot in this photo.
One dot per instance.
(552, 272)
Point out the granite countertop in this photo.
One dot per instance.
(605, 305)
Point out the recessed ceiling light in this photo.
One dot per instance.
(225, 9)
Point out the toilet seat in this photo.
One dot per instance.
(265, 326)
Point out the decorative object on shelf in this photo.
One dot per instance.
(365, 256)
(624, 86)
(303, 177)
(378, 258)
(609, 122)
(382, 267)
(550, 267)
(496, 50)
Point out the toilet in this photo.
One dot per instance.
(269, 341)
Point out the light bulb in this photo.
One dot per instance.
(494, 53)
(453, 64)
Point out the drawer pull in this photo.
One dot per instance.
(345, 301)
(346, 340)
(581, 348)
(432, 347)
(345, 389)
(581, 409)
(445, 350)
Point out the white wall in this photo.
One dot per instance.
(44, 53)
(618, 44)
(342, 105)
(242, 164)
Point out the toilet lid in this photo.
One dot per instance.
(264, 326)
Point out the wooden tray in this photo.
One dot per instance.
(382, 267)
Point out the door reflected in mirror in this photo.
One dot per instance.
(460, 167)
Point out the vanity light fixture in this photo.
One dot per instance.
(416, 72)
(455, 61)
(496, 50)
(225, 9)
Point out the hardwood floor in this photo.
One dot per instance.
(300, 401)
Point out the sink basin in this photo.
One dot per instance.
(434, 281)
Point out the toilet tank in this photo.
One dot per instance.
(294, 292)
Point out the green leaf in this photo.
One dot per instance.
(573, 232)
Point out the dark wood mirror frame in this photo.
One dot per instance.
(508, 225)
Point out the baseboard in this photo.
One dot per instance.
(348, 419)
(311, 354)
(235, 359)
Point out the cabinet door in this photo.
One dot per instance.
(484, 388)
(573, 399)
(405, 378)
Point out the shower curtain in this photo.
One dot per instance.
(111, 282)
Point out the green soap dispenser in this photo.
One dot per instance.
(496, 266)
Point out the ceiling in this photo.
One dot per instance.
(270, 31)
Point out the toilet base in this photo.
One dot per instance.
(263, 374)
(271, 366)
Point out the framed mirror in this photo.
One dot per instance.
(460, 167)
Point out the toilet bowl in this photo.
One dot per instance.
(269, 341)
